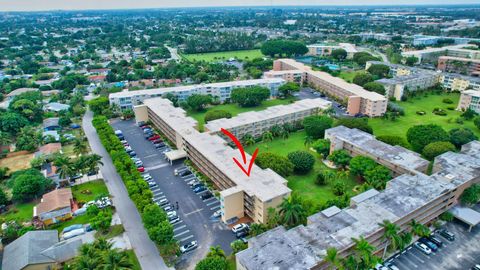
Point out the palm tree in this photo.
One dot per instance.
(364, 252)
(87, 263)
(102, 244)
(292, 211)
(93, 162)
(391, 235)
(419, 229)
(332, 258)
(80, 147)
(115, 260)
(65, 168)
(267, 136)
(406, 239)
(216, 251)
(248, 140)
(285, 134)
(349, 262)
(308, 141)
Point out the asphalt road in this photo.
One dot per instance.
(196, 222)
(146, 251)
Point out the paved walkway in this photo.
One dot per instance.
(146, 251)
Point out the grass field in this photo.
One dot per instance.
(89, 191)
(402, 124)
(133, 259)
(303, 184)
(19, 212)
(20, 161)
(234, 109)
(216, 56)
(349, 75)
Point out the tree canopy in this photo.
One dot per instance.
(302, 161)
(379, 70)
(281, 165)
(358, 123)
(251, 96)
(362, 79)
(198, 102)
(437, 148)
(420, 135)
(316, 125)
(283, 47)
(461, 136)
(216, 114)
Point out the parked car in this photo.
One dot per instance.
(240, 227)
(196, 185)
(173, 219)
(178, 170)
(435, 240)
(103, 202)
(391, 266)
(141, 169)
(72, 227)
(128, 149)
(448, 235)
(80, 211)
(241, 234)
(428, 243)
(148, 135)
(206, 195)
(188, 247)
(118, 132)
(217, 214)
(159, 145)
(138, 163)
(141, 123)
(172, 214)
(199, 189)
(151, 183)
(185, 173)
(168, 208)
(147, 130)
(147, 177)
(379, 266)
(157, 141)
(162, 202)
(476, 267)
(73, 233)
(423, 248)
(132, 154)
(154, 137)
(193, 182)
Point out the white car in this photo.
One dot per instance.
(172, 214)
(147, 177)
(240, 227)
(188, 247)
(423, 248)
(217, 214)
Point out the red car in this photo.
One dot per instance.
(154, 137)
(157, 141)
(141, 169)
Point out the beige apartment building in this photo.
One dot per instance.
(407, 197)
(327, 49)
(256, 123)
(469, 99)
(357, 99)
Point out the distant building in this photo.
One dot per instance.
(55, 206)
(469, 99)
(358, 100)
(464, 66)
(326, 49)
(431, 55)
(51, 123)
(375, 36)
(223, 90)
(421, 40)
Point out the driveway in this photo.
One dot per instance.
(309, 93)
(195, 215)
(145, 250)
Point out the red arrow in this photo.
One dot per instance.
(242, 151)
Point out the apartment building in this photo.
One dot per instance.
(256, 123)
(240, 195)
(398, 159)
(421, 40)
(358, 100)
(458, 82)
(397, 86)
(375, 36)
(431, 55)
(127, 99)
(326, 49)
(464, 66)
(406, 197)
(469, 99)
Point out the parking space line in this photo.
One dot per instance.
(186, 238)
(201, 192)
(157, 193)
(155, 189)
(209, 199)
(157, 167)
(422, 261)
(188, 179)
(215, 207)
(180, 227)
(161, 197)
(193, 212)
(214, 202)
(182, 233)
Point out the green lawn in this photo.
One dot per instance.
(133, 259)
(303, 184)
(349, 75)
(19, 212)
(234, 109)
(114, 230)
(83, 219)
(89, 191)
(217, 56)
(402, 124)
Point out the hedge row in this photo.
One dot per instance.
(137, 188)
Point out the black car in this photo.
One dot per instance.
(207, 195)
(159, 145)
(148, 135)
(197, 185)
(429, 244)
(185, 173)
(241, 234)
(132, 154)
(435, 240)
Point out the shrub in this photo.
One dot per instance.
(461, 136)
(393, 140)
(476, 121)
(447, 101)
(322, 146)
(362, 79)
(316, 125)
(440, 112)
(420, 112)
(277, 163)
(340, 157)
(339, 188)
(216, 114)
(420, 135)
(446, 216)
(321, 180)
(450, 108)
(434, 149)
(302, 161)
(359, 123)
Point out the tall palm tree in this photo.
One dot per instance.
(391, 235)
(93, 162)
(80, 147)
(406, 240)
(308, 141)
(65, 168)
(419, 229)
(292, 212)
(87, 263)
(115, 260)
(248, 140)
(267, 136)
(364, 252)
(332, 258)
(216, 251)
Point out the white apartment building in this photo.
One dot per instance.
(326, 49)
(127, 99)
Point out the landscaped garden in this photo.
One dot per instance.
(222, 56)
(89, 191)
(416, 106)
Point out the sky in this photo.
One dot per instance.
(39, 5)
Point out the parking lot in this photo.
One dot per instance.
(307, 92)
(195, 221)
(462, 253)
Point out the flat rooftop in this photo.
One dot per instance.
(270, 113)
(433, 50)
(303, 247)
(354, 89)
(394, 154)
(183, 88)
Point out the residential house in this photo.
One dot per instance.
(56, 107)
(55, 206)
(51, 123)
